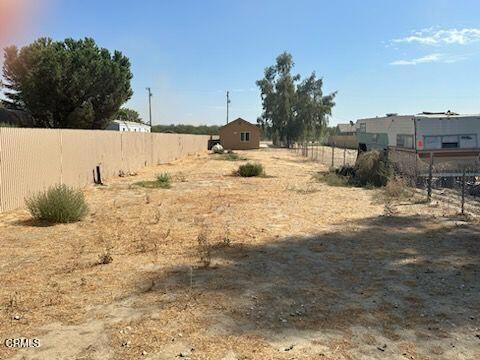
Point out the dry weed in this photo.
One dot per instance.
(204, 247)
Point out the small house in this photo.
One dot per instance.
(344, 137)
(240, 135)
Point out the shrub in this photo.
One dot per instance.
(250, 169)
(346, 170)
(58, 204)
(230, 156)
(333, 179)
(162, 180)
(372, 168)
(396, 188)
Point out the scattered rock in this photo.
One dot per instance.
(289, 348)
(382, 348)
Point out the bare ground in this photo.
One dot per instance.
(296, 270)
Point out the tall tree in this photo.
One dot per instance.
(292, 109)
(66, 84)
(126, 114)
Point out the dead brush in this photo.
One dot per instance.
(203, 248)
(105, 258)
(396, 188)
(226, 235)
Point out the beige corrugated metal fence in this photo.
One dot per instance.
(33, 159)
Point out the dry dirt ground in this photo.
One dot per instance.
(286, 268)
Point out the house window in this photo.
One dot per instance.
(363, 128)
(405, 141)
(245, 136)
(468, 141)
(450, 142)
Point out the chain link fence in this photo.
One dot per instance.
(454, 181)
(330, 156)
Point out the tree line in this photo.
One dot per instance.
(187, 129)
(77, 84)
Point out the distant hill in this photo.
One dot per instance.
(187, 129)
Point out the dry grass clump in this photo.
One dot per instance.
(250, 170)
(204, 247)
(372, 169)
(105, 258)
(162, 181)
(396, 187)
(231, 156)
(59, 204)
(332, 178)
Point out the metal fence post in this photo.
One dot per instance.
(463, 192)
(430, 174)
(333, 155)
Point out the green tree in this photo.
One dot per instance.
(126, 114)
(66, 84)
(292, 110)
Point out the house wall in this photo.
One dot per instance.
(230, 136)
(31, 160)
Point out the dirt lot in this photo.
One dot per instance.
(297, 270)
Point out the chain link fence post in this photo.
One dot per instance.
(333, 155)
(463, 192)
(429, 182)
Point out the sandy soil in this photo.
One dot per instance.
(296, 270)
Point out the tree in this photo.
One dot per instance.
(292, 109)
(66, 84)
(126, 114)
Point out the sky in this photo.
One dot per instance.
(382, 56)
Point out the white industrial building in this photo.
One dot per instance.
(442, 133)
(121, 125)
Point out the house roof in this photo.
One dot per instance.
(447, 114)
(239, 121)
(130, 123)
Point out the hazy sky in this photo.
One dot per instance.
(382, 56)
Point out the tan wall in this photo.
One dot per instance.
(230, 137)
(33, 159)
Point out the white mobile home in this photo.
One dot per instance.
(445, 135)
(120, 125)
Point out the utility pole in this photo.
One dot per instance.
(228, 102)
(150, 105)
